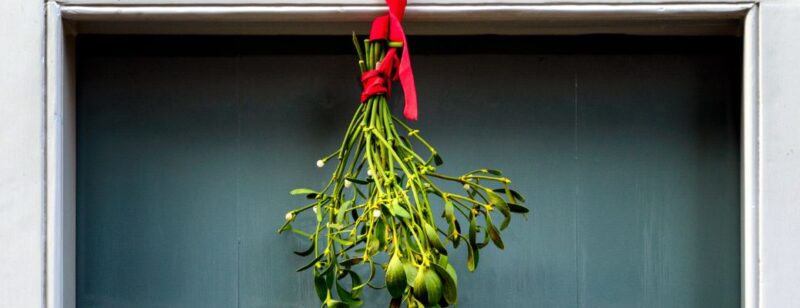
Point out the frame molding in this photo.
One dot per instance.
(67, 18)
(414, 13)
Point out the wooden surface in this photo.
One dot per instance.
(628, 150)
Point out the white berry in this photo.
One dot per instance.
(320, 163)
(347, 183)
(376, 213)
(290, 216)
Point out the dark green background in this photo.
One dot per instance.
(627, 148)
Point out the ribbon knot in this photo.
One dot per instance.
(374, 83)
(379, 80)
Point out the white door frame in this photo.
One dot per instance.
(66, 18)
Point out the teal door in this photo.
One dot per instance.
(627, 148)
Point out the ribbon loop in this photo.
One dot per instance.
(378, 81)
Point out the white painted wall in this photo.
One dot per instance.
(780, 194)
(21, 153)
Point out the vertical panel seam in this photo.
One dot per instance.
(579, 288)
(237, 94)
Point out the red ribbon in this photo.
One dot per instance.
(379, 80)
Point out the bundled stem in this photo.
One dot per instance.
(378, 200)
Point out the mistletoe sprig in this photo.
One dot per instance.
(378, 201)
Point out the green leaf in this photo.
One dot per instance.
(399, 211)
(336, 304)
(457, 237)
(443, 261)
(493, 172)
(493, 233)
(300, 232)
(489, 171)
(357, 285)
(285, 227)
(302, 191)
(472, 247)
(310, 193)
(359, 192)
(452, 224)
(427, 287)
(345, 242)
(387, 209)
(355, 280)
(320, 287)
(437, 159)
(411, 272)
(452, 270)
(452, 233)
(356, 180)
(516, 208)
(413, 245)
(396, 281)
(342, 211)
(307, 251)
(485, 242)
(433, 238)
(448, 210)
(380, 233)
(329, 276)
(472, 257)
(449, 287)
(319, 212)
(513, 193)
(310, 264)
(473, 230)
(372, 248)
(498, 202)
(505, 222)
(351, 262)
(414, 303)
(347, 297)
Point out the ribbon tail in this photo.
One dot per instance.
(409, 88)
(404, 72)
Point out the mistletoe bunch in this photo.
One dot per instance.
(378, 206)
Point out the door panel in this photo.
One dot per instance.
(627, 148)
